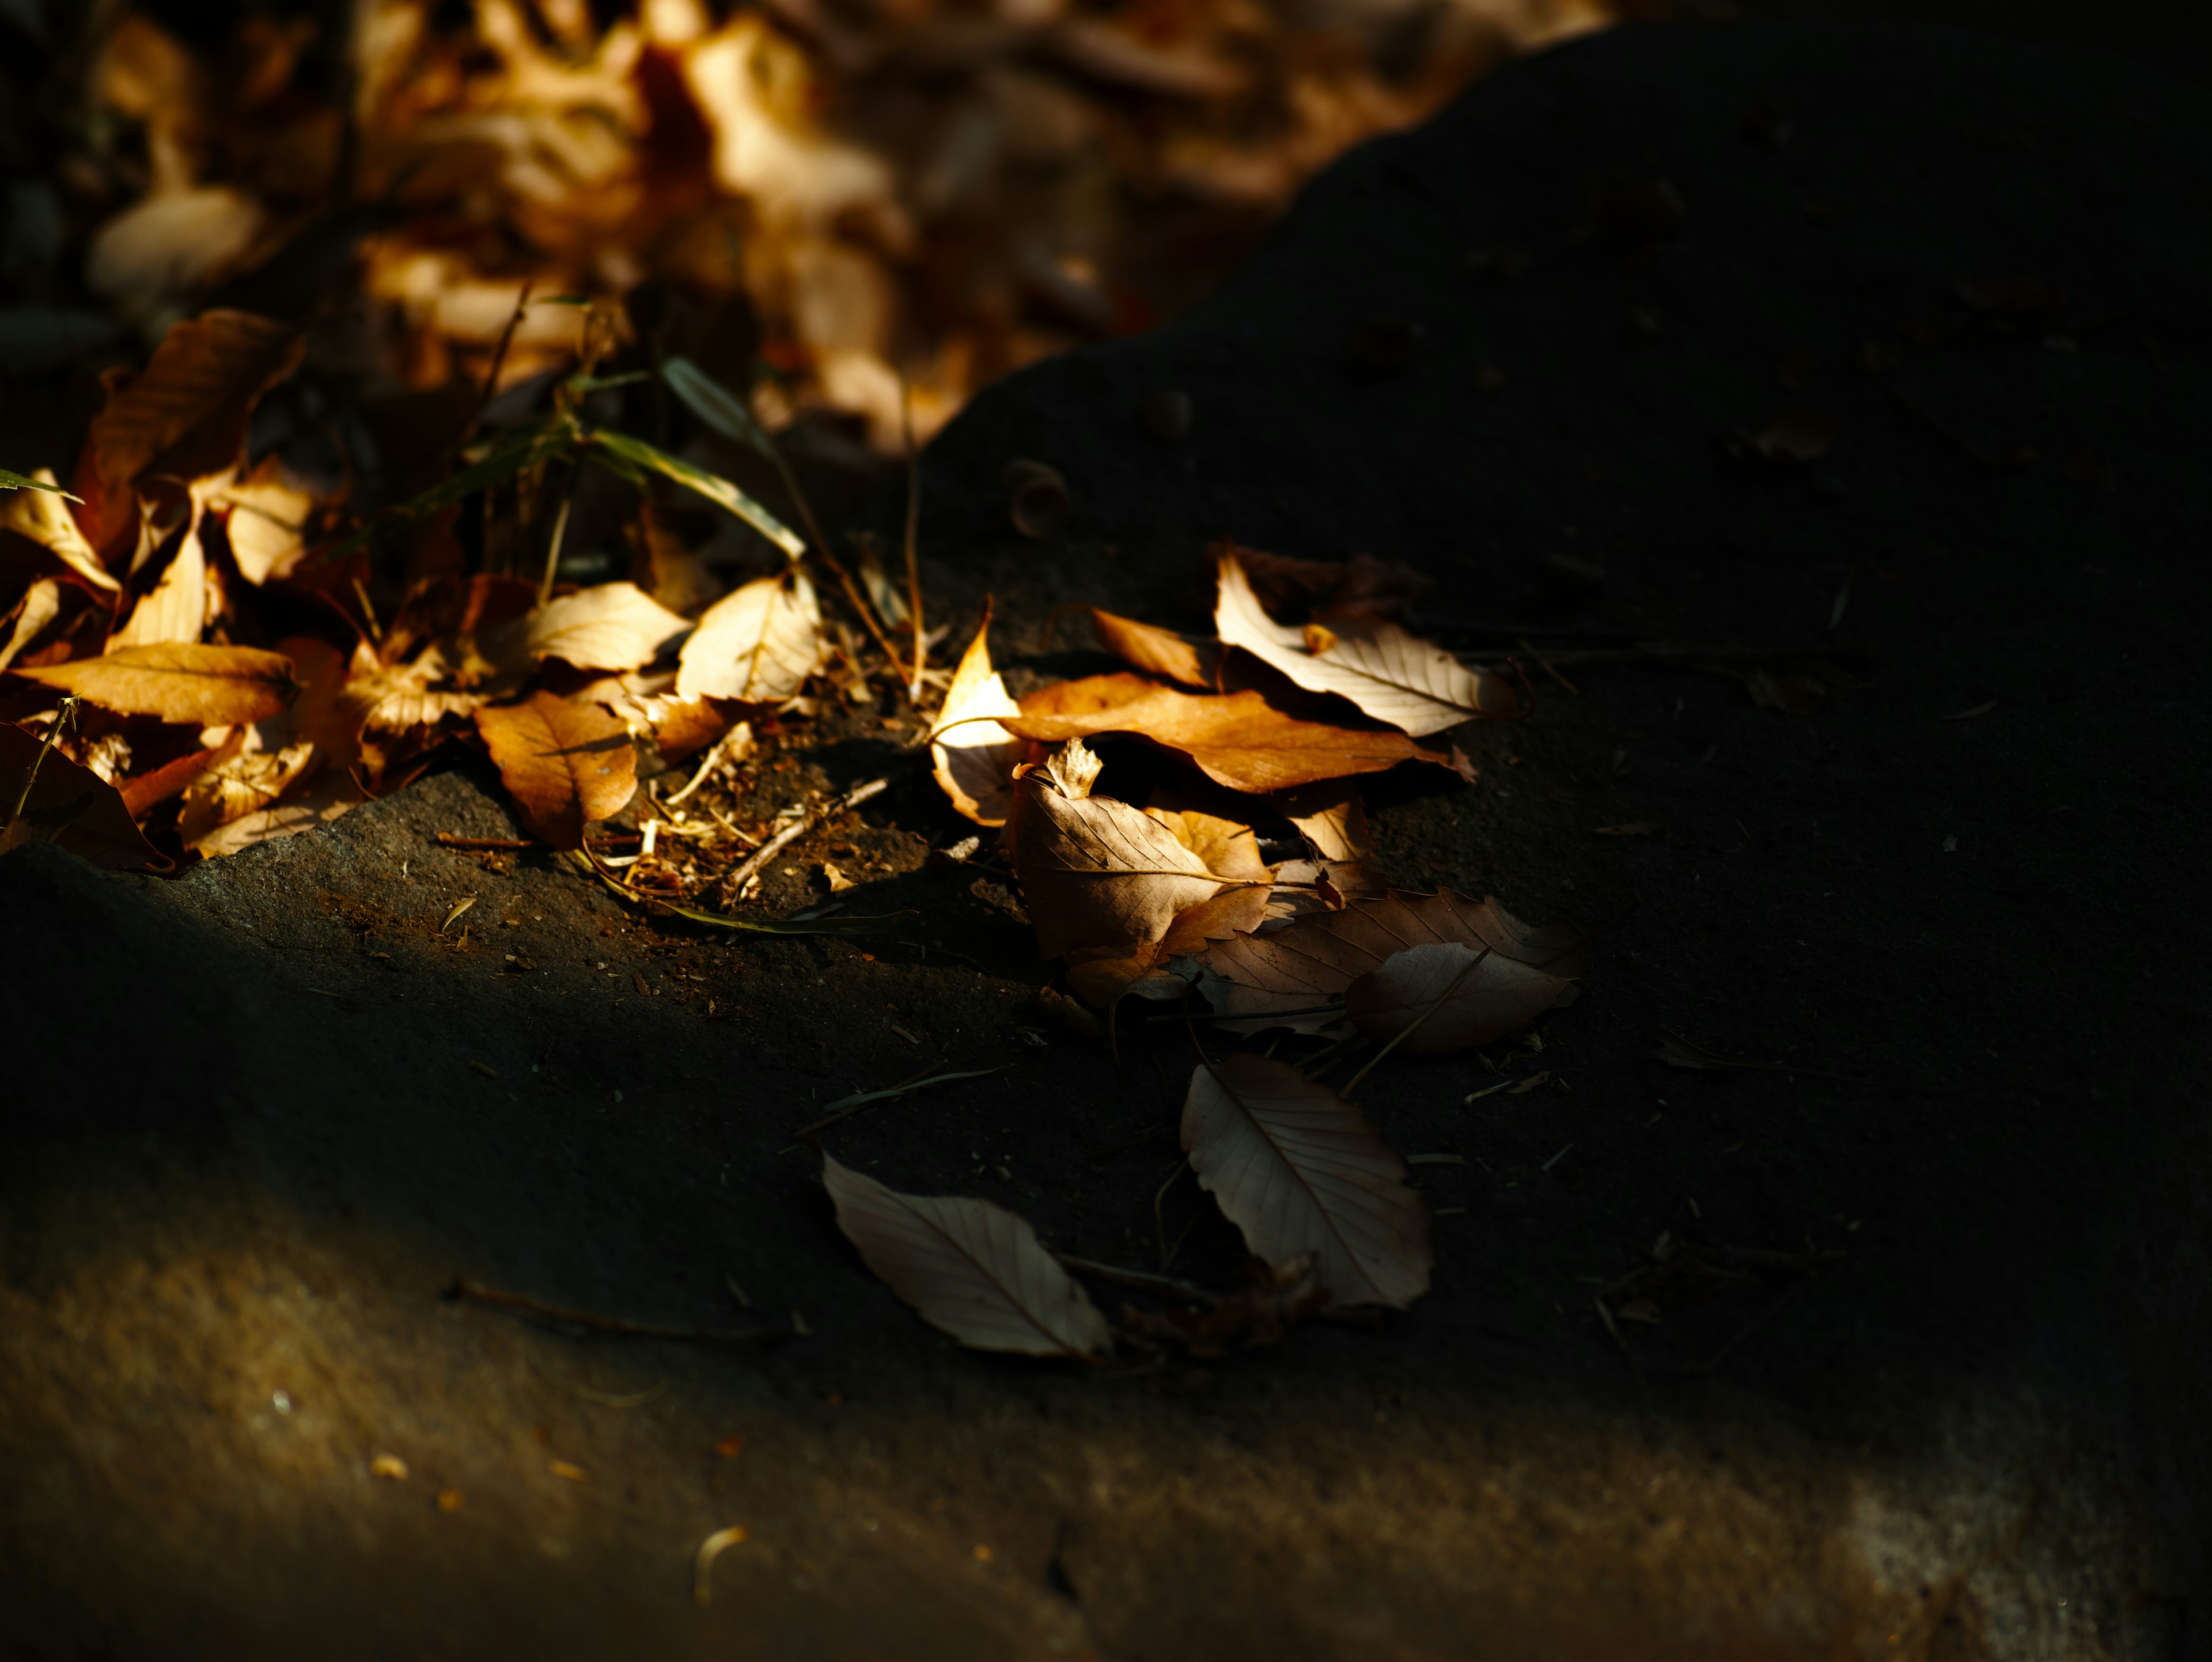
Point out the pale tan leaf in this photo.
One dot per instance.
(611, 626)
(1157, 651)
(757, 645)
(176, 608)
(1228, 847)
(1095, 872)
(1101, 975)
(1237, 740)
(40, 605)
(248, 781)
(974, 756)
(69, 806)
(1317, 960)
(331, 795)
(393, 697)
(1331, 817)
(43, 517)
(1298, 1169)
(1392, 676)
(970, 1269)
(269, 510)
(179, 681)
(566, 762)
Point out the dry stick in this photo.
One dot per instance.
(913, 534)
(503, 844)
(849, 1106)
(1544, 664)
(705, 768)
(736, 880)
(498, 362)
(1409, 1029)
(1169, 1285)
(65, 711)
(500, 1297)
(854, 598)
(553, 548)
(1635, 1367)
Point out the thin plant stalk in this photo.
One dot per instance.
(1411, 1027)
(913, 536)
(66, 712)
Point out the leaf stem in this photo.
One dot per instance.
(66, 712)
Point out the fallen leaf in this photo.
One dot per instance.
(974, 754)
(1392, 676)
(184, 415)
(1317, 959)
(1260, 1314)
(1101, 975)
(970, 1269)
(758, 644)
(1298, 1169)
(1793, 695)
(1362, 586)
(1236, 739)
(1095, 872)
(179, 681)
(837, 880)
(567, 762)
(1633, 828)
(330, 797)
(69, 806)
(1451, 994)
(267, 521)
(1333, 820)
(40, 605)
(43, 516)
(1156, 650)
(608, 626)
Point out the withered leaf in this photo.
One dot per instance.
(1101, 975)
(40, 605)
(43, 516)
(758, 644)
(1331, 818)
(970, 1269)
(1260, 1314)
(1459, 994)
(1236, 738)
(1392, 676)
(187, 411)
(608, 626)
(568, 763)
(269, 510)
(176, 608)
(179, 681)
(1094, 870)
(1318, 959)
(1156, 650)
(1298, 1169)
(974, 755)
(69, 806)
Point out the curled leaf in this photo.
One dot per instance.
(69, 805)
(39, 511)
(1238, 739)
(1157, 651)
(1298, 1169)
(566, 762)
(970, 1269)
(608, 626)
(758, 644)
(1392, 676)
(179, 681)
(974, 755)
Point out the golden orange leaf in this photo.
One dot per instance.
(568, 763)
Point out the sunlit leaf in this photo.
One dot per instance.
(607, 626)
(758, 644)
(974, 756)
(178, 681)
(566, 762)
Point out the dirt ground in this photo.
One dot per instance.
(1947, 1402)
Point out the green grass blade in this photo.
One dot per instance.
(713, 486)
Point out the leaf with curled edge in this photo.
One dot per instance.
(970, 1269)
(40, 514)
(1318, 959)
(1391, 675)
(1237, 740)
(1157, 651)
(69, 806)
(973, 756)
(1298, 1169)
(566, 762)
(179, 681)
(607, 626)
(1095, 872)
(755, 645)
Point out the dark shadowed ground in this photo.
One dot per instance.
(1950, 1405)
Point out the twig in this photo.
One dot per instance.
(845, 1107)
(504, 844)
(713, 755)
(913, 535)
(1143, 1279)
(1411, 1027)
(1544, 664)
(1635, 1367)
(1251, 1015)
(498, 362)
(66, 712)
(500, 1297)
(553, 547)
(854, 598)
(736, 878)
(1159, 1219)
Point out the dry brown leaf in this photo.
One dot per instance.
(43, 517)
(1101, 975)
(1298, 1169)
(1317, 960)
(1392, 676)
(1458, 994)
(393, 697)
(331, 795)
(970, 1269)
(1095, 872)
(40, 605)
(1236, 738)
(566, 762)
(1157, 651)
(1260, 1314)
(610, 626)
(69, 806)
(757, 645)
(179, 681)
(177, 608)
(1331, 818)
(269, 510)
(185, 414)
(974, 756)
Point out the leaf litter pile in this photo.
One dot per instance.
(194, 663)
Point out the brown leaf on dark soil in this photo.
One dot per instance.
(974, 757)
(178, 681)
(1263, 1312)
(568, 763)
(69, 806)
(608, 626)
(1157, 651)
(1298, 1169)
(970, 1269)
(1237, 740)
